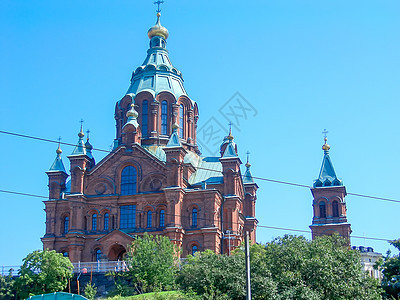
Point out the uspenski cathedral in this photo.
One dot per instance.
(154, 180)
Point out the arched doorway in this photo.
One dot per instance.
(117, 252)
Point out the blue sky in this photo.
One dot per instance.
(303, 66)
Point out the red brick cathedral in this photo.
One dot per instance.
(154, 180)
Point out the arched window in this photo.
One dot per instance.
(94, 222)
(164, 114)
(335, 208)
(194, 249)
(145, 118)
(194, 217)
(149, 218)
(322, 209)
(181, 126)
(128, 181)
(98, 254)
(106, 221)
(66, 225)
(162, 218)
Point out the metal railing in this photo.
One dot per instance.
(100, 266)
(79, 267)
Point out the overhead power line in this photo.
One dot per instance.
(211, 170)
(93, 205)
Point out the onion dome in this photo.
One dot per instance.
(132, 115)
(158, 29)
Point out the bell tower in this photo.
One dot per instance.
(329, 205)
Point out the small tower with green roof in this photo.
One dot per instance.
(57, 176)
(329, 205)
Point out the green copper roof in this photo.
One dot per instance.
(229, 151)
(327, 175)
(80, 148)
(157, 74)
(58, 165)
(174, 140)
(248, 177)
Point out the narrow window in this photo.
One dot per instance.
(335, 208)
(162, 218)
(128, 217)
(149, 218)
(164, 114)
(98, 254)
(322, 209)
(128, 181)
(66, 225)
(181, 126)
(194, 217)
(194, 249)
(106, 221)
(145, 119)
(94, 222)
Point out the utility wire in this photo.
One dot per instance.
(254, 177)
(93, 205)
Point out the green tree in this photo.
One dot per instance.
(152, 263)
(391, 273)
(90, 291)
(324, 268)
(223, 277)
(43, 272)
(7, 290)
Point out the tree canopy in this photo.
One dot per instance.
(391, 273)
(290, 267)
(43, 272)
(152, 263)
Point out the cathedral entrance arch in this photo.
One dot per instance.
(117, 252)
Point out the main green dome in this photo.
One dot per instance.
(157, 74)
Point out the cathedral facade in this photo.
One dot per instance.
(154, 180)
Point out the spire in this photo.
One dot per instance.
(58, 165)
(327, 175)
(248, 177)
(174, 140)
(80, 148)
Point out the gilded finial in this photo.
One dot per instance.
(132, 112)
(87, 133)
(248, 165)
(158, 29)
(230, 136)
(175, 127)
(325, 146)
(81, 134)
(59, 151)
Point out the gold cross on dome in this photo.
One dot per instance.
(325, 132)
(158, 2)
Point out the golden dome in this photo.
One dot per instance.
(132, 112)
(325, 146)
(158, 29)
(58, 151)
(175, 126)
